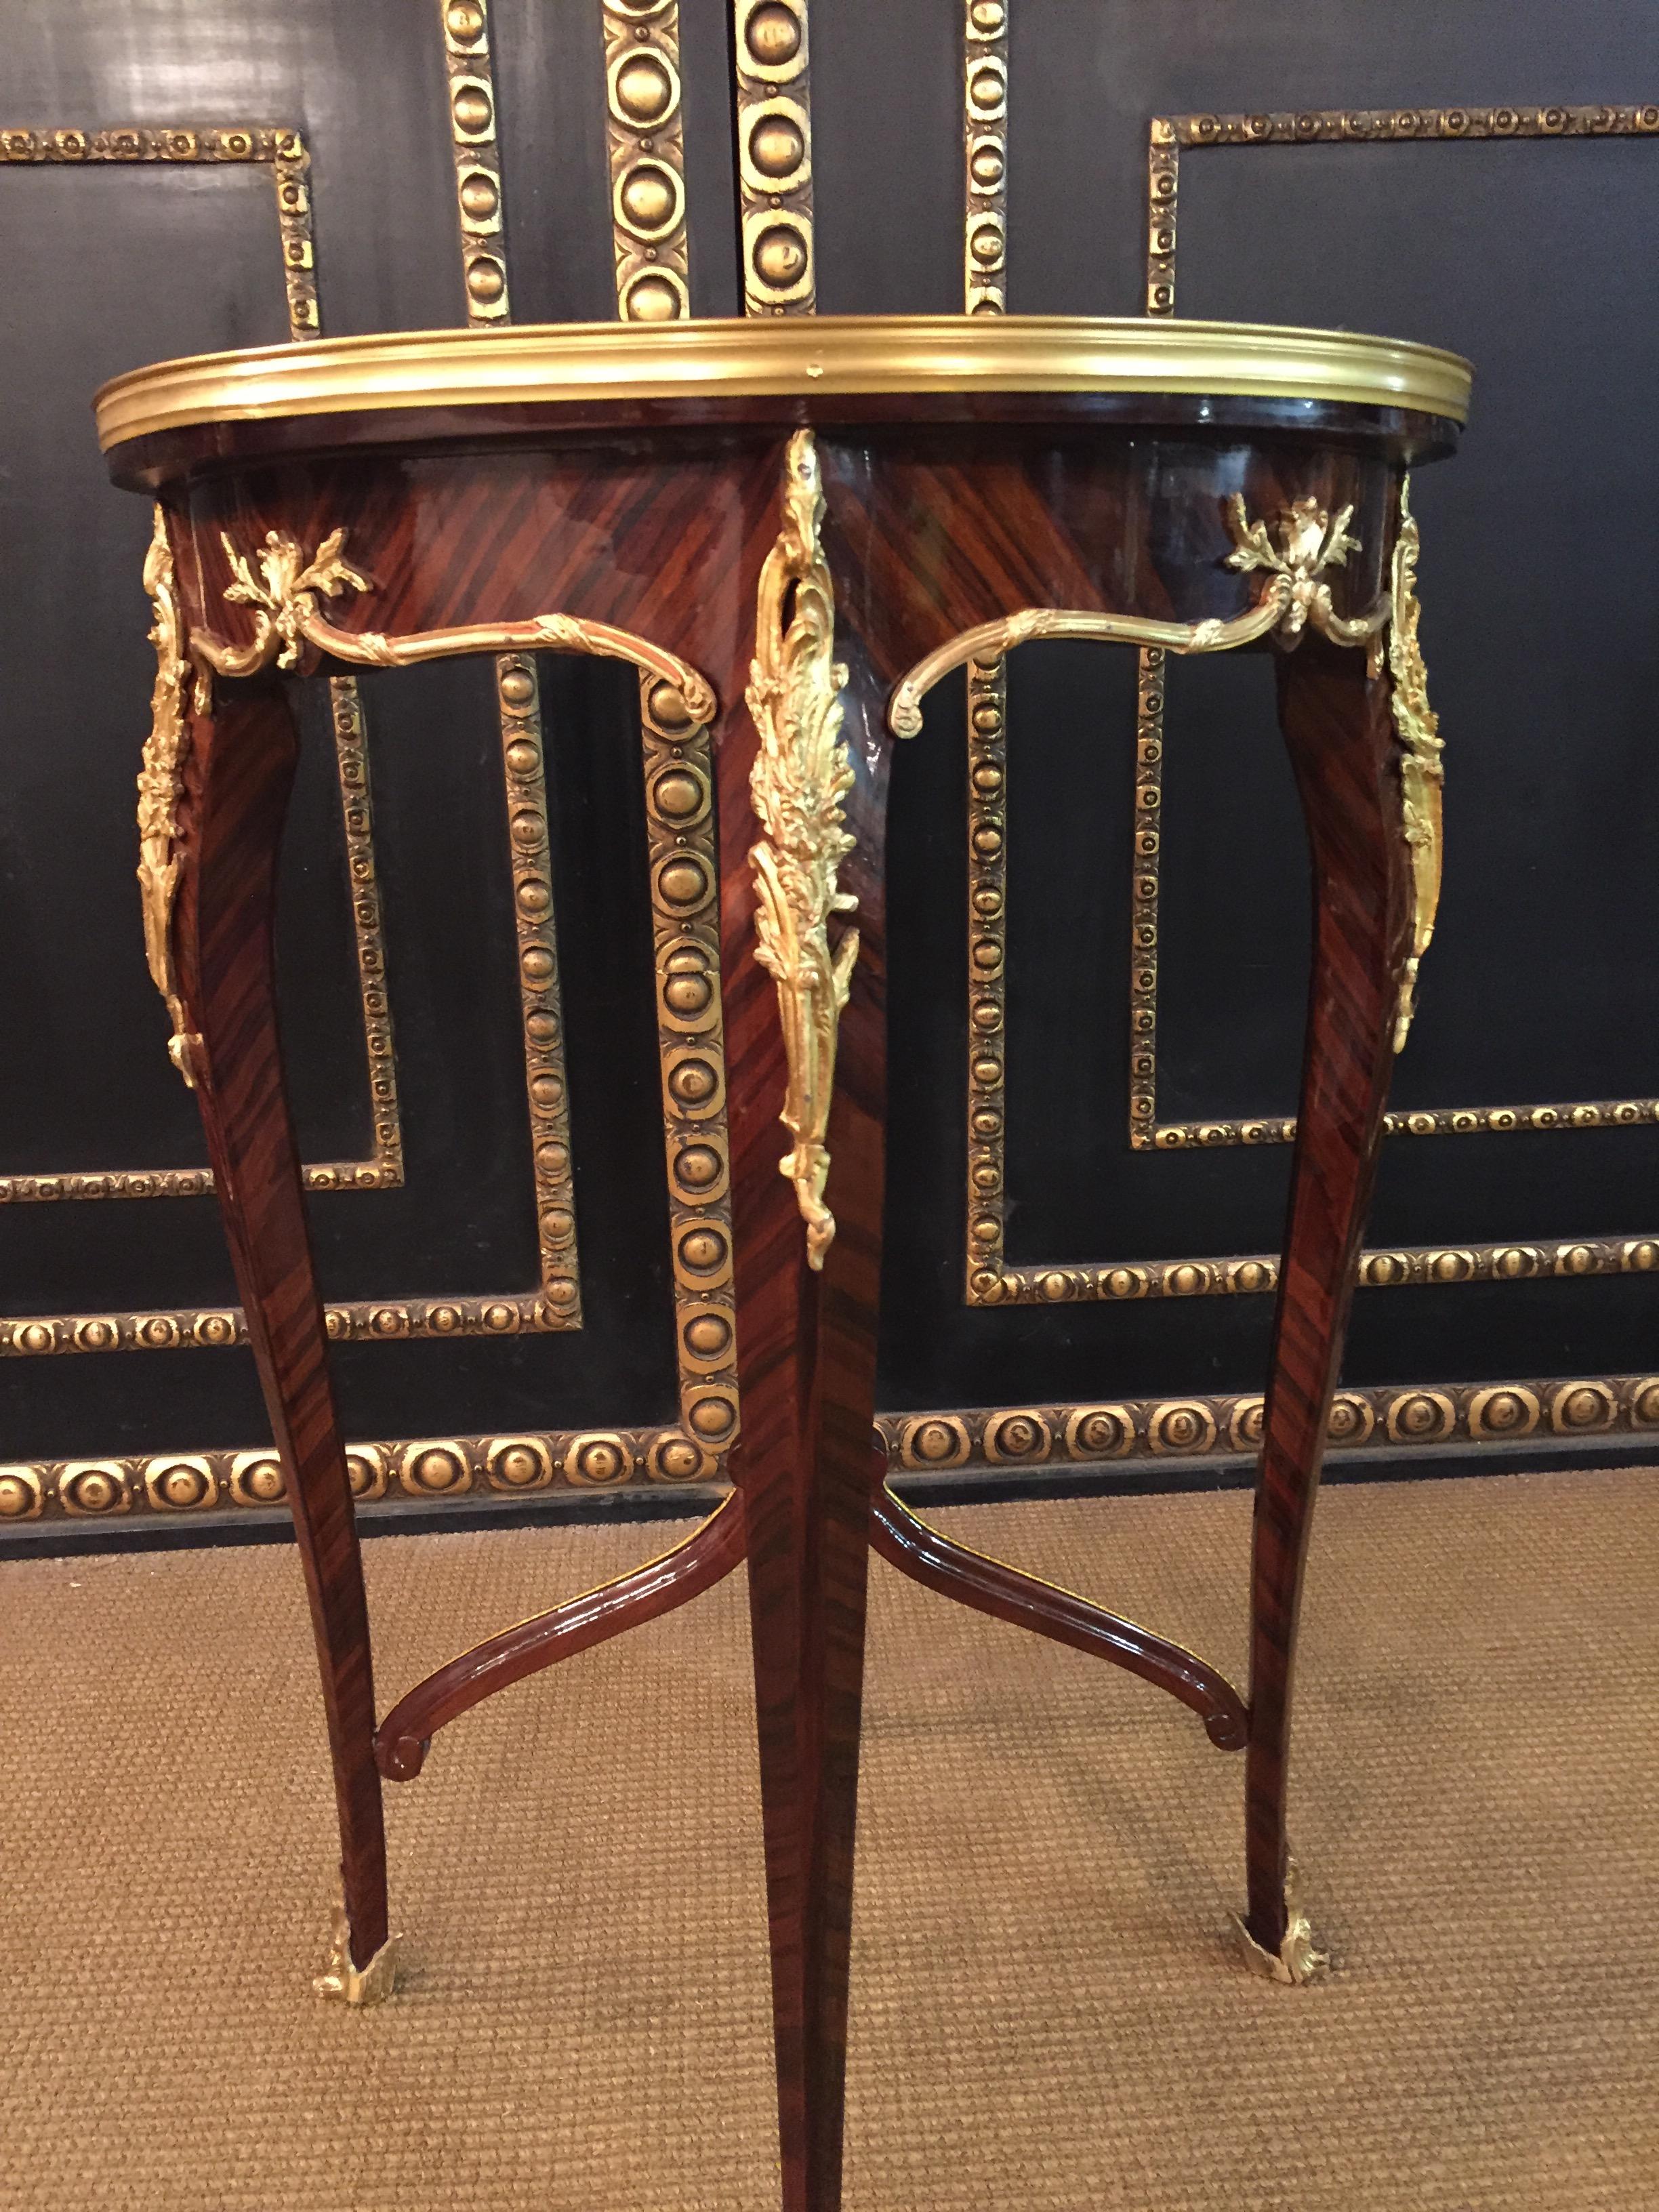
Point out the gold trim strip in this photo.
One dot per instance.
(1367, 126)
(541, 1013)
(357, 823)
(837, 356)
(702, 1260)
(644, 142)
(984, 262)
(471, 95)
(1441, 1121)
(683, 861)
(773, 99)
(993, 1282)
(481, 216)
(1126, 1432)
(985, 156)
(184, 144)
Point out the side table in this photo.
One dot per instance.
(793, 530)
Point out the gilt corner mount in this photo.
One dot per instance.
(802, 774)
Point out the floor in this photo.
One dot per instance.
(1049, 2013)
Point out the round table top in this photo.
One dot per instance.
(815, 358)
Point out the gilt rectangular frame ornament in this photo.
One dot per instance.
(1339, 127)
(989, 1278)
(283, 152)
(554, 1301)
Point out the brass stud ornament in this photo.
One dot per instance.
(774, 156)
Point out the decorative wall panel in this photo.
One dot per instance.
(990, 1279)
(555, 1301)
(283, 152)
(645, 68)
(1354, 127)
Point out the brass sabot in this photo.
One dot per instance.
(824, 355)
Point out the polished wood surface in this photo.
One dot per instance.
(931, 528)
(1339, 734)
(163, 458)
(683, 1571)
(239, 773)
(990, 1586)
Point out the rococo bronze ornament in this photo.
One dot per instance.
(1309, 542)
(802, 774)
(1422, 777)
(160, 784)
(1293, 598)
(1299, 1958)
(284, 596)
(357, 1985)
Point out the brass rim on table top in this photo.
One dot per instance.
(838, 355)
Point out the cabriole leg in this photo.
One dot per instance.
(804, 994)
(238, 770)
(1334, 706)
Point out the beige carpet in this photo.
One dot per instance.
(1046, 2012)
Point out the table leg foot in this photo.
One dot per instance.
(357, 1985)
(1297, 1960)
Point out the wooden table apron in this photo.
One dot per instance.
(930, 527)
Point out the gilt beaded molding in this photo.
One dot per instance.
(471, 95)
(645, 147)
(481, 221)
(985, 155)
(283, 152)
(773, 98)
(990, 1279)
(1126, 1434)
(985, 208)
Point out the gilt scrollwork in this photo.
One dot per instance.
(283, 595)
(1422, 775)
(1309, 542)
(287, 590)
(801, 777)
(160, 787)
(1293, 599)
